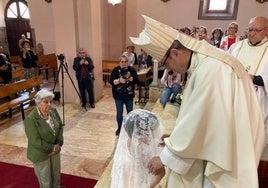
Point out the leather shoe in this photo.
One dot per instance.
(92, 105)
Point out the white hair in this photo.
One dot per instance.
(42, 94)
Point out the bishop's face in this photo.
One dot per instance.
(178, 60)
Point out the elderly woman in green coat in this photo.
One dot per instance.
(44, 130)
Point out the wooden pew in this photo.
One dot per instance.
(16, 75)
(48, 62)
(18, 89)
(16, 62)
(107, 68)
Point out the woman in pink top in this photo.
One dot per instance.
(231, 37)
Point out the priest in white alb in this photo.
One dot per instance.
(253, 54)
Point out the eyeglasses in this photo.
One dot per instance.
(250, 30)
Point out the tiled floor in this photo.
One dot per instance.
(89, 138)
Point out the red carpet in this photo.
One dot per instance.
(16, 176)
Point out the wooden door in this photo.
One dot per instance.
(16, 27)
(17, 20)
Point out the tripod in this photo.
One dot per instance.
(63, 66)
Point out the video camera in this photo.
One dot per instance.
(125, 74)
(61, 57)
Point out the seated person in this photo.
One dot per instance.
(4, 54)
(171, 80)
(137, 143)
(5, 70)
(144, 60)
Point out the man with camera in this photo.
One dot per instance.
(83, 67)
(123, 80)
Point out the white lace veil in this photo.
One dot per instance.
(137, 144)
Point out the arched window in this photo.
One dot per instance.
(218, 9)
(18, 9)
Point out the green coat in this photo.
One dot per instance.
(41, 138)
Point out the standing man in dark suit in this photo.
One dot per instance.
(83, 66)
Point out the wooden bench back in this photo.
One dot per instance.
(16, 74)
(15, 59)
(19, 86)
(49, 60)
(109, 65)
(16, 62)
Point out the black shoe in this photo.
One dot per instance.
(117, 132)
(92, 105)
(83, 105)
(172, 100)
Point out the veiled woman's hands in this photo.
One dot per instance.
(157, 178)
(154, 165)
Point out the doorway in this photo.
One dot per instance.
(17, 19)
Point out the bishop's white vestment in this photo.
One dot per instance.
(219, 133)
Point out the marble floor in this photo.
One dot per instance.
(89, 138)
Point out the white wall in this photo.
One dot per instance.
(2, 21)
(42, 20)
(181, 13)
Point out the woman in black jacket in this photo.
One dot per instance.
(123, 80)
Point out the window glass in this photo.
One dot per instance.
(218, 9)
(12, 11)
(24, 11)
(217, 5)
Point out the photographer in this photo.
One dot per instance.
(171, 80)
(123, 80)
(5, 70)
(29, 58)
(83, 67)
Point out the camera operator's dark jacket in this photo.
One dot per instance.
(78, 68)
(123, 91)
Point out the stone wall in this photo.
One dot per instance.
(3, 39)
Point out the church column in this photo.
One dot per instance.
(155, 75)
(78, 24)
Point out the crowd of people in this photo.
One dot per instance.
(28, 57)
(219, 38)
(206, 148)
